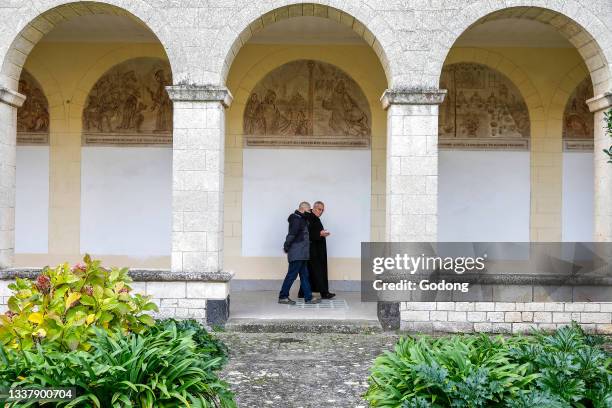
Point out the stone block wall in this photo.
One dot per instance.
(503, 317)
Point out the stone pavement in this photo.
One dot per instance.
(301, 370)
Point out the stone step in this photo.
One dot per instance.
(302, 326)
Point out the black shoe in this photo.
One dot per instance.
(286, 301)
(328, 295)
(300, 296)
(313, 301)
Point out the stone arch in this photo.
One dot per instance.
(41, 23)
(377, 33)
(583, 29)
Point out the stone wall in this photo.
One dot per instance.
(503, 317)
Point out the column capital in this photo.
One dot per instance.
(413, 96)
(600, 102)
(11, 98)
(200, 93)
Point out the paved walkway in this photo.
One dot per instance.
(301, 370)
(264, 305)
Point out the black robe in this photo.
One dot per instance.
(317, 265)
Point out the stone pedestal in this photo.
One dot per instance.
(10, 101)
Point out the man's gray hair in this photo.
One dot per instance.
(304, 205)
(318, 203)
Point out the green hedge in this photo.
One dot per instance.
(560, 370)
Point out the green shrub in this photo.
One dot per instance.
(205, 342)
(63, 305)
(162, 367)
(458, 371)
(570, 366)
(565, 369)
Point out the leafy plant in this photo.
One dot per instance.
(562, 370)
(460, 371)
(571, 368)
(158, 368)
(608, 127)
(205, 342)
(63, 306)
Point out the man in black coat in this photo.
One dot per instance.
(317, 265)
(297, 248)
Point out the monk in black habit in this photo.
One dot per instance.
(317, 265)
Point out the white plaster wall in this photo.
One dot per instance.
(32, 200)
(483, 196)
(126, 201)
(277, 180)
(578, 192)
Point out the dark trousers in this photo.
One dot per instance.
(296, 268)
(318, 282)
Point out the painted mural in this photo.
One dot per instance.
(483, 110)
(129, 105)
(578, 121)
(307, 103)
(33, 115)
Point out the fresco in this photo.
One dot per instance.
(33, 115)
(578, 121)
(483, 110)
(307, 103)
(129, 105)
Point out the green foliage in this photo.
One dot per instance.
(608, 127)
(563, 370)
(162, 367)
(459, 371)
(63, 305)
(570, 367)
(205, 342)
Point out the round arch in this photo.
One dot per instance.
(38, 24)
(377, 33)
(569, 18)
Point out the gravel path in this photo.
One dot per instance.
(301, 370)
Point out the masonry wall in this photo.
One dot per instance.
(503, 317)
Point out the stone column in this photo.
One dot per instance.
(412, 175)
(197, 177)
(412, 164)
(603, 170)
(9, 102)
